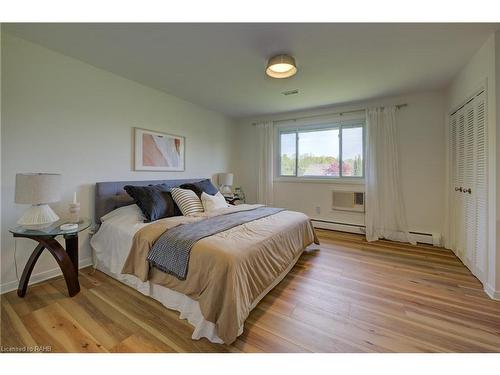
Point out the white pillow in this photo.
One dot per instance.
(130, 211)
(213, 202)
(187, 200)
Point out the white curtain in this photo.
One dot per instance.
(266, 174)
(385, 213)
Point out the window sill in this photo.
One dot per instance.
(330, 181)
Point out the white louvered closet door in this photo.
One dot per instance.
(481, 188)
(459, 198)
(468, 185)
(468, 208)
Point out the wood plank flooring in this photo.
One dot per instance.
(351, 296)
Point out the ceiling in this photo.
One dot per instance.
(221, 66)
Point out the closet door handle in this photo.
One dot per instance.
(469, 190)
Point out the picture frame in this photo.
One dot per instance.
(158, 151)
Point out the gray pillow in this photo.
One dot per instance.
(203, 186)
(154, 201)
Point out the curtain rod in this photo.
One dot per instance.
(398, 106)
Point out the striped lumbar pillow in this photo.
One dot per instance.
(187, 200)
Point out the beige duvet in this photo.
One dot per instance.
(229, 270)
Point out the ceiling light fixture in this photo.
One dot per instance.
(281, 66)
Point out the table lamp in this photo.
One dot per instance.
(38, 189)
(225, 183)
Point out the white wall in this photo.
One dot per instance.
(62, 115)
(482, 70)
(422, 161)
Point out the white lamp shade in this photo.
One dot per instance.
(226, 179)
(37, 188)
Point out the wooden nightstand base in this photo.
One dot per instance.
(66, 259)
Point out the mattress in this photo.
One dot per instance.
(111, 245)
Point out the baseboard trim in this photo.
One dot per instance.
(42, 276)
(427, 238)
(419, 237)
(492, 293)
(341, 227)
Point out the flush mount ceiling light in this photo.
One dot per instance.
(281, 66)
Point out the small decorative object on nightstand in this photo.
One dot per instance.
(237, 198)
(74, 210)
(232, 200)
(238, 193)
(66, 259)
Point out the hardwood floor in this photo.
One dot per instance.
(349, 297)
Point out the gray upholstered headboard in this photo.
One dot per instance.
(110, 195)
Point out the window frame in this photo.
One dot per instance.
(330, 125)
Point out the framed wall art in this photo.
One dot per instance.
(157, 151)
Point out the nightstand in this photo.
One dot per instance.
(232, 200)
(67, 259)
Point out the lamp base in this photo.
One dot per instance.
(38, 217)
(226, 190)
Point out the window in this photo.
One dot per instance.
(288, 144)
(331, 151)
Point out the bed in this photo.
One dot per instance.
(229, 272)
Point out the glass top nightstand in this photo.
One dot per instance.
(52, 230)
(67, 259)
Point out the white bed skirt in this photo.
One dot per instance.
(188, 308)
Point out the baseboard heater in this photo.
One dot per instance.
(426, 238)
